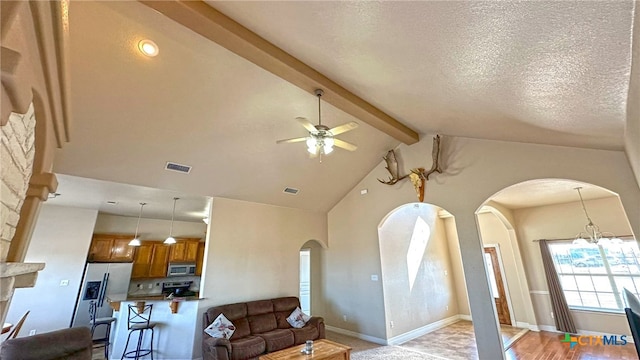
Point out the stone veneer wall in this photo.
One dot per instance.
(17, 152)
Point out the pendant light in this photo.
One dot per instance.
(593, 233)
(171, 240)
(135, 241)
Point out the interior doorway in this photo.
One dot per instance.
(305, 281)
(497, 283)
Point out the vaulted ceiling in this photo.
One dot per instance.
(539, 72)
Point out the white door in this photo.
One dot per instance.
(305, 281)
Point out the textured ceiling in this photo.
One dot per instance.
(548, 72)
(540, 72)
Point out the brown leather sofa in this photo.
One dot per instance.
(67, 344)
(261, 327)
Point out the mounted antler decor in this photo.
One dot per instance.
(417, 176)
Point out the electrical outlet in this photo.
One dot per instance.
(150, 286)
(447, 307)
(344, 317)
(391, 324)
(64, 282)
(32, 332)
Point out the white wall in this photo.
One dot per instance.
(61, 239)
(474, 171)
(462, 298)
(150, 229)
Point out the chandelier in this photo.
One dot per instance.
(592, 233)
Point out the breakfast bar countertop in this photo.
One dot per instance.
(154, 297)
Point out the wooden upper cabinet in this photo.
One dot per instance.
(184, 250)
(200, 258)
(111, 248)
(159, 260)
(151, 260)
(142, 260)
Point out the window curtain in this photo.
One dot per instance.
(562, 316)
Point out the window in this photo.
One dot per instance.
(591, 282)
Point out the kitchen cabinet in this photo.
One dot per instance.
(151, 260)
(159, 261)
(111, 248)
(184, 250)
(200, 258)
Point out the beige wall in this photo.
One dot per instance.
(462, 297)
(565, 221)
(61, 240)
(494, 232)
(417, 276)
(254, 253)
(474, 171)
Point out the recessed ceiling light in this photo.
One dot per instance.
(148, 47)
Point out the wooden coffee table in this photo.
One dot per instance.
(323, 349)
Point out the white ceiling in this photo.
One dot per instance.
(540, 72)
(96, 194)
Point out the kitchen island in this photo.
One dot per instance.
(174, 333)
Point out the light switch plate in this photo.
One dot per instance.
(374, 277)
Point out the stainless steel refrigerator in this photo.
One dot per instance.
(100, 282)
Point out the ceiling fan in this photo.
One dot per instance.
(321, 139)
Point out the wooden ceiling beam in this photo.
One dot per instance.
(221, 29)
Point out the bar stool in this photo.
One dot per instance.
(95, 321)
(138, 320)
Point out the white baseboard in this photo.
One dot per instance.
(465, 317)
(356, 335)
(402, 338)
(415, 333)
(551, 328)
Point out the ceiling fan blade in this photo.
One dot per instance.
(292, 140)
(343, 128)
(307, 124)
(345, 145)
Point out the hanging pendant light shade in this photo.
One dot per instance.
(171, 240)
(135, 241)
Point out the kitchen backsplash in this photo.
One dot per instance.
(154, 286)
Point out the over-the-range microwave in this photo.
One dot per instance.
(183, 269)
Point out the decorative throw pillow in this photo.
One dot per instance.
(298, 319)
(221, 328)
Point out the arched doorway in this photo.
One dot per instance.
(310, 289)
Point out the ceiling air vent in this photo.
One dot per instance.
(291, 191)
(178, 167)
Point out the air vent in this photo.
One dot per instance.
(185, 169)
(291, 191)
(111, 202)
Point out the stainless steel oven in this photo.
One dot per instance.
(183, 269)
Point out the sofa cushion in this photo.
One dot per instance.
(231, 312)
(285, 304)
(306, 333)
(242, 328)
(247, 347)
(262, 323)
(277, 339)
(259, 307)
